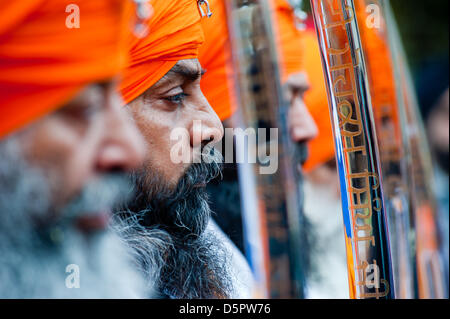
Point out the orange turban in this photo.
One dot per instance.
(299, 52)
(175, 34)
(381, 77)
(44, 63)
(288, 38)
(216, 57)
(321, 148)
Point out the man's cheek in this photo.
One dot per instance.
(175, 172)
(78, 172)
(180, 149)
(159, 161)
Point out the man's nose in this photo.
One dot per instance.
(206, 125)
(302, 125)
(122, 147)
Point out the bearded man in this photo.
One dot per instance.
(218, 84)
(161, 87)
(322, 197)
(65, 143)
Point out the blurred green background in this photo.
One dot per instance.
(424, 28)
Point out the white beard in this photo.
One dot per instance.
(323, 209)
(104, 272)
(33, 261)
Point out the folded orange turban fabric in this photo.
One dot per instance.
(44, 63)
(299, 52)
(174, 34)
(216, 58)
(381, 77)
(288, 38)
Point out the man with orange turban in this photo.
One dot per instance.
(218, 85)
(322, 197)
(65, 143)
(300, 68)
(301, 72)
(322, 201)
(175, 244)
(216, 57)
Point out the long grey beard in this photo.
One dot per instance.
(328, 278)
(33, 259)
(167, 232)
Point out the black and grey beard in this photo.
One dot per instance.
(35, 248)
(172, 244)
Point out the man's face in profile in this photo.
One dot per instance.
(171, 201)
(302, 126)
(175, 192)
(78, 145)
(59, 178)
(175, 102)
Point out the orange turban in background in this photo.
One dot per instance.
(299, 52)
(321, 148)
(381, 77)
(44, 63)
(288, 38)
(216, 58)
(174, 34)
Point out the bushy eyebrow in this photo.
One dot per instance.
(180, 73)
(190, 74)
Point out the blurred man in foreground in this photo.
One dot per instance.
(161, 87)
(64, 143)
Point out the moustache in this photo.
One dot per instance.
(99, 196)
(182, 211)
(199, 175)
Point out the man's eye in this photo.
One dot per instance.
(79, 113)
(178, 98)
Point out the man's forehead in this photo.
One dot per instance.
(91, 96)
(188, 64)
